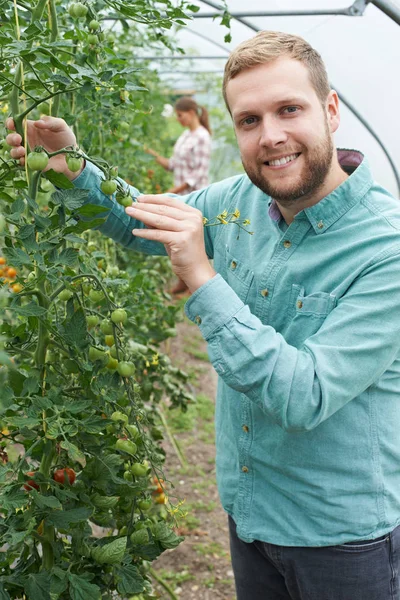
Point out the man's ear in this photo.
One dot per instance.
(332, 111)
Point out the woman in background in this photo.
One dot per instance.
(191, 156)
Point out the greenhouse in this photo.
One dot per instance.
(199, 313)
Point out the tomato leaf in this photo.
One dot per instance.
(29, 310)
(59, 180)
(130, 580)
(38, 586)
(64, 518)
(74, 453)
(81, 589)
(46, 501)
(111, 553)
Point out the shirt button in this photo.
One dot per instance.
(198, 320)
(245, 469)
(320, 225)
(299, 304)
(264, 293)
(245, 428)
(233, 264)
(287, 243)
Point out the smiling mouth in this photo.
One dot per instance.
(281, 161)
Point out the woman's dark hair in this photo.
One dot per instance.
(186, 103)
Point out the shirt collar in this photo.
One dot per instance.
(328, 210)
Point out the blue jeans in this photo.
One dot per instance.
(367, 570)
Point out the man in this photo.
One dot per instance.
(302, 321)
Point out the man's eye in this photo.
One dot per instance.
(249, 121)
(290, 109)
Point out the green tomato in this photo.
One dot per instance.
(113, 351)
(3, 223)
(92, 321)
(65, 295)
(112, 363)
(140, 537)
(93, 40)
(109, 340)
(124, 126)
(125, 201)
(46, 185)
(108, 187)
(119, 316)
(126, 369)
(106, 327)
(119, 416)
(139, 469)
(113, 171)
(144, 504)
(96, 295)
(77, 10)
(74, 163)
(94, 25)
(133, 431)
(128, 476)
(126, 446)
(96, 354)
(71, 366)
(37, 161)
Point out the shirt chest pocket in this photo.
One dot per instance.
(238, 275)
(307, 313)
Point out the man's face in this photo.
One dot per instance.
(283, 131)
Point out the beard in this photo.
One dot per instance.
(317, 164)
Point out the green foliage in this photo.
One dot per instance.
(59, 377)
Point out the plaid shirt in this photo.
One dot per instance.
(191, 158)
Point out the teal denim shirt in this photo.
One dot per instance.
(303, 329)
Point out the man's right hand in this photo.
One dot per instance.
(51, 133)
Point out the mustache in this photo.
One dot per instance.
(266, 158)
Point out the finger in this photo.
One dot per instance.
(159, 209)
(167, 200)
(54, 124)
(156, 235)
(157, 221)
(10, 124)
(13, 139)
(17, 152)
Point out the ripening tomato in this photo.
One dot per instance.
(109, 340)
(65, 476)
(11, 272)
(31, 483)
(161, 498)
(16, 288)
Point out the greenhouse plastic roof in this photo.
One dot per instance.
(362, 55)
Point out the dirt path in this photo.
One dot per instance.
(199, 569)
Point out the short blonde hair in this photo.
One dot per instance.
(268, 46)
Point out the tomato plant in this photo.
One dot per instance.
(64, 457)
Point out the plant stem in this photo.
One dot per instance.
(163, 583)
(172, 438)
(48, 530)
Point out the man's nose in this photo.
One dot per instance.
(272, 133)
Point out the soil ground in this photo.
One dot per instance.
(199, 568)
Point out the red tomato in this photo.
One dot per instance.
(31, 483)
(61, 475)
